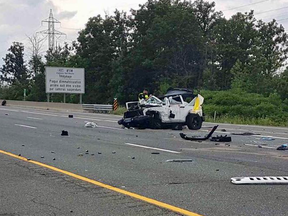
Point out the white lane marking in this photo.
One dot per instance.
(148, 147)
(275, 137)
(26, 126)
(24, 111)
(45, 114)
(256, 126)
(261, 133)
(253, 145)
(34, 118)
(60, 115)
(93, 119)
(113, 128)
(12, 110)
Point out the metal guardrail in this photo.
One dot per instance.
(98, 107)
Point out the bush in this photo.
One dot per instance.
(236, 106)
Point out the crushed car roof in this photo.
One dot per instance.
(179, 91)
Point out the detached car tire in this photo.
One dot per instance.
(194, 121)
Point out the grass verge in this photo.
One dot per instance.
(119, 111)
(246, 121)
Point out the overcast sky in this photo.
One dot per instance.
(22, 18)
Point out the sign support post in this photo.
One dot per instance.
(48, 97)
(81, 99)
(25, 94)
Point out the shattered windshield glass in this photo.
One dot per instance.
(154, 100)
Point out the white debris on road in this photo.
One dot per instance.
(90, 125)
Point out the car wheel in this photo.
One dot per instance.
(194, 122)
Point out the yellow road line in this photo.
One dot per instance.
(115, 189)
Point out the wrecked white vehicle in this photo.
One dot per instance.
(169, 111)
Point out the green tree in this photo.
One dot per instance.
(168, 45)
(59, 56)
(14, 69)
(281, 84)
(14, 73)
(100, 46)
(37, 84)
(260, 48)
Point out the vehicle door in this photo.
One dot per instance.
(176, 107)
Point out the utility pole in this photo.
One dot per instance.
(51, 32)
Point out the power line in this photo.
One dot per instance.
(73, 29)
(282, 19)
(268, 11)
(246, 5)
(51, 32)
(269, 18)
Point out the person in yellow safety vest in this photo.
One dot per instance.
(143, 95)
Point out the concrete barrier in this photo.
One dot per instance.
(44, 105)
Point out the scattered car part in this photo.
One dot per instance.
(180, 160)
(155, 153)
(194, 138)
(245, 134)
(64, 133)
(262, 146)
(4, 102)
(260, 180)
(90, 125)
(140, 122)
(283, 147)
(267, 138)
(70, 116)
(221, 139)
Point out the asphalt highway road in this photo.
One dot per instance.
(135, 161)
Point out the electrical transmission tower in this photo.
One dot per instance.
(51, 32)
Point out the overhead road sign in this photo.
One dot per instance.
(65, 80)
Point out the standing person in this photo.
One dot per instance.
(143, 95)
